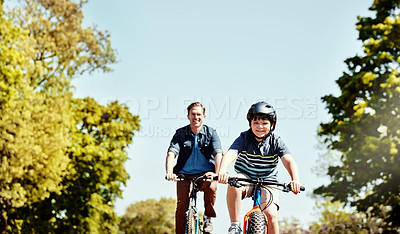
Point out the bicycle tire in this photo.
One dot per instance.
(191, 222)
(256, 223)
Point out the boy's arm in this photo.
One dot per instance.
(291, 167)
(227, 160)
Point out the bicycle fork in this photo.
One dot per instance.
(192, 211)
(256, 208)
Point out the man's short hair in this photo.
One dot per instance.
(195, 104)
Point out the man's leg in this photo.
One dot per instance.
(210, 194)
(183, 192)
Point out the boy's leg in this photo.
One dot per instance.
(272, 215)
(234, 198)
(272, 210)
(234, 202)
(182, 191)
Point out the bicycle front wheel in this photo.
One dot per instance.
(191, 220)
(256, 223)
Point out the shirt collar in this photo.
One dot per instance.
(188, 130)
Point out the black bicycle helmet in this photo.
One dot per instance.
(261, 109)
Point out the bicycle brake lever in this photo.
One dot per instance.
(286, 188)
(235, 183)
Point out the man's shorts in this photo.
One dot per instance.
(266, 192)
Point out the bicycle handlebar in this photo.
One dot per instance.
(181, 177)
(235, 181)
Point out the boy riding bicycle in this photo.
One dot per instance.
(258, 151)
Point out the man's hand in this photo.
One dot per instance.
(295, 186)
(171, 176)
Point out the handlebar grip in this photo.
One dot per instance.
(302, 188)
(177, 178)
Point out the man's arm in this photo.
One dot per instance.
(291, 166)
(169, 166)
(217, 150)
(218, 159)
(227, 160)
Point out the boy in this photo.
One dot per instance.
(257, 151)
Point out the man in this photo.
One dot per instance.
(198, 151)
(257, 152)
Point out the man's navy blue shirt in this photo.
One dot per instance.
(182, 145)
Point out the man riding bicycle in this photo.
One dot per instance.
(198, 151)
(258, 151)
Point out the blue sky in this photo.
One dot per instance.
(227, 54)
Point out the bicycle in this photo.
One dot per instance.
(255, 221)
(193, 224)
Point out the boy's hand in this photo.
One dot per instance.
(223, 178)
(295, 186)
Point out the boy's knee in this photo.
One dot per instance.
(271, 212)
(272, 218)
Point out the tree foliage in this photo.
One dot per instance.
(33, 128)
(291, 226)
(61, 157)
(366, 119)
(149, 216)
(60, 46)
(335, 218)
(95, 174)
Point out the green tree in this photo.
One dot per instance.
(336, 218)
(291, 226)
(61, 48)
(33, 127)
(87, 149)
(366, 119)
(149, 216)
(95, 174)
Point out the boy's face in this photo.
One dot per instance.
(260, 127)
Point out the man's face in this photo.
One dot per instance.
(196, 116)
(260, 127)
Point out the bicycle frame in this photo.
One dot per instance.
(256, 208)
(193, 203)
